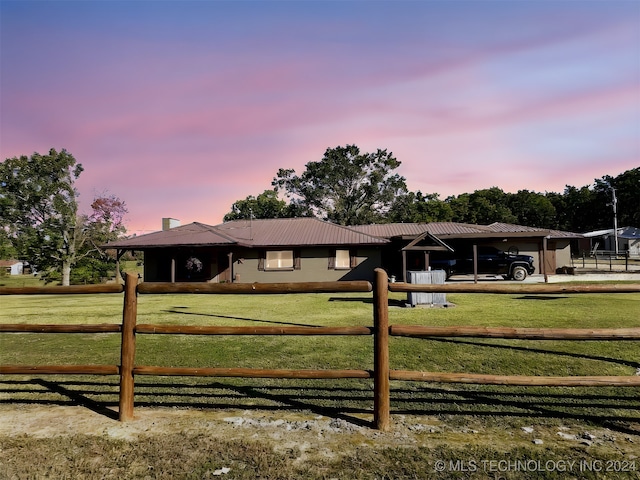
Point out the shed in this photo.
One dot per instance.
(12, 267)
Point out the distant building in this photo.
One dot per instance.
(12, 267)
(604, 241)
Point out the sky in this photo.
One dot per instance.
(182, 108)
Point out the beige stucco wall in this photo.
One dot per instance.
(563, 253)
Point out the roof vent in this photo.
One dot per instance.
(169, 223)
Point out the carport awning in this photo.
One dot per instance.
(427, 243)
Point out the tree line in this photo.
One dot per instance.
(40, 221)
(348, 187)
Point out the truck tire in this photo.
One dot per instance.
(519, 273)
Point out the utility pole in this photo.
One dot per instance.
(614, 204)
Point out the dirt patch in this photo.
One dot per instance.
(315, 433)
(166, 443)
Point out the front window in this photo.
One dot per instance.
(279, 259)
(343, 259)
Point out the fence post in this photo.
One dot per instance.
(626, 260)
(128, 347)
(381, 402)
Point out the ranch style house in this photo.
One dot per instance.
(309, 249)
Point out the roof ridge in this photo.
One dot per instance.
(213, 229)
(348, 227)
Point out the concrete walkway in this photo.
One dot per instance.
(555, 278)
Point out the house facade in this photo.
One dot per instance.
(247, 251)
(550, 249)
(309, 249)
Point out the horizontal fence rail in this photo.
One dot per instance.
(264, 288)
(517, 333)
(521, 380)
(207, 330)
(382, 373)
(60, 369)
(511, 289)
(72, 289)
(250, 372)
(57, 328)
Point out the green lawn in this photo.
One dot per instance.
(461, 407)
(508, 357)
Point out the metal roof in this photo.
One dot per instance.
(193, 234)
(461, 230)
(294, 232)
(252, 233)
(279, 232)
(623, 232)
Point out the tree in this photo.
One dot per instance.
(38, 208)
(108, 212)
(345, 187)
(575, 209)
(627, 187)
(415, 207)
(532, 209)
(265, 205)
(104, 224)
(590, 207)
(482, 207)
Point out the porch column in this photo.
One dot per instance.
(230, 255)
(404, 265)
(475, 263)
(119, 254)
(173, 269)
(544, 259)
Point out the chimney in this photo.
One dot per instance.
(169, 223)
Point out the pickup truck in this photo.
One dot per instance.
(490, 260)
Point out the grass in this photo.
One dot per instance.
(446, 355)
(199, 456)
(468, 406)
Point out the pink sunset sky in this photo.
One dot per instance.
(181, 108)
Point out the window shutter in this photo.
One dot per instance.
(261, 258)
(332, 260)
(296, 260)
(353, 258)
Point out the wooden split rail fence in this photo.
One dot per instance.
(381, 373)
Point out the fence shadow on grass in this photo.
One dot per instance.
(560, 408)
(344, 403)
(583, 356)
(368, 300)
(257, 320)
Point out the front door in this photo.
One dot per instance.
(222, 268)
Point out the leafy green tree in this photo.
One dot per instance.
(627, 188)
(590, 207)
(416, 207)
(576, 209)
(7, 251)
(346, 187)
(104, 224)
(482, 207)
(265, 205)
(38, 209)
(532, 209)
